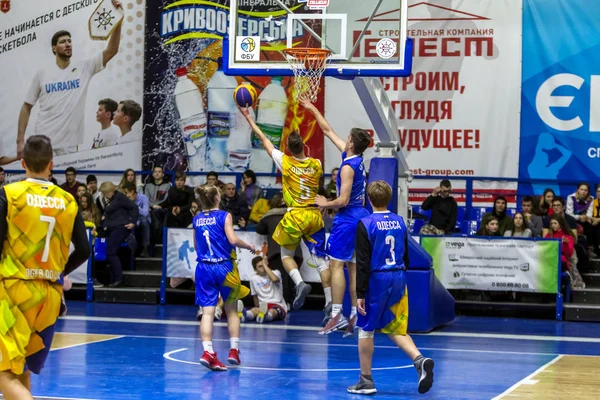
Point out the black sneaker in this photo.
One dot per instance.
(302, 290)
(98, 284)
(364, 386)
(425, 370)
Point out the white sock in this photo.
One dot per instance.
(296, 277)
(336, 309)
(268, 317)
(327, 291)
(353, 312)
(208, 346)
(249, 315)
(235, 343)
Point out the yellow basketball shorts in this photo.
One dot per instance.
(299, 224)
(29, 309)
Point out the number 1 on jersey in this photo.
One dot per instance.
(391, 241)
(207, 237)
(51, 222)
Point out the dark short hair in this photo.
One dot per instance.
(70, 169)
(158, 166)
(212, 173)
(58, 35)
(37, 153)
(295, 143)
(527, 199)
(250, 174)
(110, 106)
(255, 261)
(91, 178)
(445, 183)
(180, 175)
(128, 187)
(360, 139)
(131, 109)
(559, 199)
(1, 169)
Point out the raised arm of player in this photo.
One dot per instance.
(347, 177)
(115, 39)
(232, 237)
(265, 141)
(7, 160)
(325, 127)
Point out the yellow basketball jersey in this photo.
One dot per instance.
(301, 181)
(40, 225)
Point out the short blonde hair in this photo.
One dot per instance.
(380, 194)
(107, 187)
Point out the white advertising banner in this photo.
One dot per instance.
(520, 265)
(459, 111)
(181, 255)
(54, 76)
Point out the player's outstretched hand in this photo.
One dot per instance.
(252, 249)
(245, 112)
(360, 306)
(321, 201)
(307, 104)
(117, 4)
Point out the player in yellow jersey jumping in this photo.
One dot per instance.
(303, 221)
(38, 221)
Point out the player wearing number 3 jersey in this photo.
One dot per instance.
(38, 221)
(303, 221)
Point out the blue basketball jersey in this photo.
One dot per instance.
(387, 235)
(211, 242)
(359, 184)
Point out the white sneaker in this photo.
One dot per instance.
(218, 313)
(263, 308)
(240, 311)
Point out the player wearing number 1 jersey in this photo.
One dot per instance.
(303, 221)
(382, 260)
(38, 221)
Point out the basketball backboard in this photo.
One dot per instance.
(366, 37)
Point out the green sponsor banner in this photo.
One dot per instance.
(503, 264)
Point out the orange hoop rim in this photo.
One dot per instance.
(300, 52)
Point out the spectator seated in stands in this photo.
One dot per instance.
(558, 207)
(89, 211)
(179, 200)
(128, 176)
(236, 205)
(543, 207)
(71, 184)
(156, 190)
(143, 221)
(518, 227)
(499, 212)
(92, 186)
(267, 291)
(119, 220)
(331, 188)
(580, 206)
(595, 221)
(194, 209)
(535, 223)
(489, 227)
(444, 210)
(250, 190)
(560, 230)
(81, 190)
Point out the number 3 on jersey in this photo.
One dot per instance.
(391, 241)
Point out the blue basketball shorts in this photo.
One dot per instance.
(341, 244)
(222, 278)
(386, 304)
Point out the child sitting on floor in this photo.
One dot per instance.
(267, 289)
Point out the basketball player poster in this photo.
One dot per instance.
(73, 71)
(221, 139)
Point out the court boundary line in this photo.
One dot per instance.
(86, 343)
(314, 328)
(527, 378)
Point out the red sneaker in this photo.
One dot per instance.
(211, 361)
(234, 357)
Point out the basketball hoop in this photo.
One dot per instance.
(308, 65)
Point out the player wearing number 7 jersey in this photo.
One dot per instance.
(303, 221)
(38, 221)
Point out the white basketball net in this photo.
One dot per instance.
(308, 66)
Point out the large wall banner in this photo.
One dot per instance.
(67, 71)
(192, 119)
(560, 130)
(459, 110)
(520, 265)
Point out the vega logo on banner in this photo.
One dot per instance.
(506, 264)
(459, 110)
(73, 70)
(560, 120)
